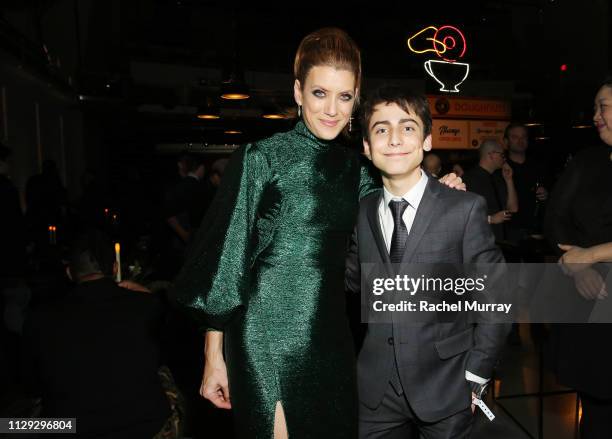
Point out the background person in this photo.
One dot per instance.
(579, 218)
(496, 187)
(530, 180)
(432, 164)
(94, 354)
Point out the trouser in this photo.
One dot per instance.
(395, 419)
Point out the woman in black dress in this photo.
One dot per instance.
(579, 220)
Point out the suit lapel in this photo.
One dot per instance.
(424, 214)
(372, 213)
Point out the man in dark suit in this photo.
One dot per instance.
(94, 355)
(418, 376)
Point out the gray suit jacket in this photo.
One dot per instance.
(450, 227)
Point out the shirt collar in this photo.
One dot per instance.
(413, 196)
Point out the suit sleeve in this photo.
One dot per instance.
(479, 248)
(213, 284)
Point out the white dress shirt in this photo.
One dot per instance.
(385, 217)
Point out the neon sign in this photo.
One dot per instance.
(449, 44)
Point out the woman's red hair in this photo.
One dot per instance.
(327, 47)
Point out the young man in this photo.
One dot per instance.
(418, 376)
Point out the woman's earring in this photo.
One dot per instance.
(350, 124)
(299, 111)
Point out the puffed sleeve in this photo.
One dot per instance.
(369, 178)
(214, 282)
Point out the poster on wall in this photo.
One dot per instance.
(450, 134)
(481, 130)
(469, 108)
(464, 134)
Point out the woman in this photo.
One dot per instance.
(267, 268)
(579, 219)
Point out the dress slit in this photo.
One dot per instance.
(280, 422)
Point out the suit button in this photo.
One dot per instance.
(390, 341)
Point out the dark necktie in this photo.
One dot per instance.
(398, 244)
(400, 232)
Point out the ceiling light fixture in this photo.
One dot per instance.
(209, 111)
(274, 116)
(273, 111)
(234, 90)
(233, 85)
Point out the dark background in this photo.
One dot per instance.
(114, 85)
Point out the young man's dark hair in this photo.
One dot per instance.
(405, 99)
(91, 252)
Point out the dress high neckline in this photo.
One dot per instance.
(302, 130)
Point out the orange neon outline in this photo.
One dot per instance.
(427, 39)
(443, 46)
(462, 38)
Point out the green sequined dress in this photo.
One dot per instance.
(267, 268)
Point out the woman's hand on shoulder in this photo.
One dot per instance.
(453, 181)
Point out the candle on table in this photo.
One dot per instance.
(52, 235)
(118, 260)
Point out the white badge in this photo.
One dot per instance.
(480, 403)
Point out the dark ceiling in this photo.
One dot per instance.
(521, 41)
(266, 34)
